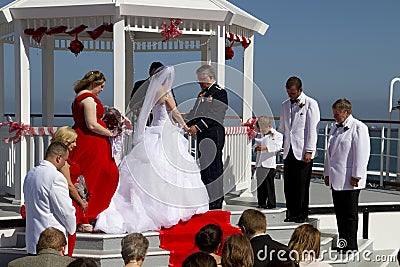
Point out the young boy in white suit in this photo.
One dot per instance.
(266, 147)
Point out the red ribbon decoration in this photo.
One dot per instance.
(20, 129)
(229, 53)
(251, 127)
(37, 34)
(77, 30)
(56, 30)
(171, 31)
(96, 33)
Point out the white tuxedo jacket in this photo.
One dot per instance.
(273, 143)
(347, 155)
(47, 203)
(302, 133)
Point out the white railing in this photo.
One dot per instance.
(9, 164)
(236, 157)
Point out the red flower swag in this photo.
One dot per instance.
(232, 38)
(76, 46)
(171, 30)
(251, 127)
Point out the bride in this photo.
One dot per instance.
(159, 181)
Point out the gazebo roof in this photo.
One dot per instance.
(201, 10)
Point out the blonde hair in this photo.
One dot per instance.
(94, 77)
(65, 135)
(305, 241)
(263, 122)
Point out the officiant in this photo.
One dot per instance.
(206, 120)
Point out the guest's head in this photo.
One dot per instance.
(237, 251)
(52, 238)
(154, 66)
(57, 154)
(65, 135)
(205, 76)
(305, 242)
(134, 248)
(209, 238)
(252, 222)
(341, 110)
(294, 87)
(93, 81)
(199, 259)
(83, 262)
(264, 124)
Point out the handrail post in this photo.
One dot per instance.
(381, 156)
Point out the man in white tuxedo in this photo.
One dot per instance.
(299, 125)
(345, 169)
(266, 146)
(47, 199)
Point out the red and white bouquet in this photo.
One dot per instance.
(119, 125)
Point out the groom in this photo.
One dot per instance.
(206, 121)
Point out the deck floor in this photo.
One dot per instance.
(320, 196)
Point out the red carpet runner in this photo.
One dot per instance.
(179, 239)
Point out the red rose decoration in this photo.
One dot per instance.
(171, 31)
(76, 46)
(22, 211)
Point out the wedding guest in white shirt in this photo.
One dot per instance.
(299, 125)
(47, 199)
(266, 146)
(345, 169)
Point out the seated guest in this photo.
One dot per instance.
(83, 262)
(50, 248)
(47, 199)
(133, 249)
(305, 241)
(199, 259)
(254, 225)
(237, 252)
(209, 239)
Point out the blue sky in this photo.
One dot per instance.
(341, 48)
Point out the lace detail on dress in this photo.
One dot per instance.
(160, 114)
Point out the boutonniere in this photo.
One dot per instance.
(345, 128)
(209, 99)
(301, 105)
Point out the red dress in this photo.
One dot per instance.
(93, 156)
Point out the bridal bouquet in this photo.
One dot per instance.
(119, 125)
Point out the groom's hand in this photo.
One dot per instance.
(193, 130)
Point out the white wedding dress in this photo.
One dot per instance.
(159, 182)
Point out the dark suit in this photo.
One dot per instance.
(45, 258)
(208, 116)
(262, 246)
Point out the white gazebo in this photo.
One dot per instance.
(116, 24)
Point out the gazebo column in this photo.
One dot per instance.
(48, 81)
(119, 64)
(22, 103)
(248, 63)
(217, 44)
(2, 96)
(129, 67)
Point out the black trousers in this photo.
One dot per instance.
(266, 186)
(297, 176)
(210, 144)
(345, 203)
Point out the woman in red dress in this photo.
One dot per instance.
(93, 149)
